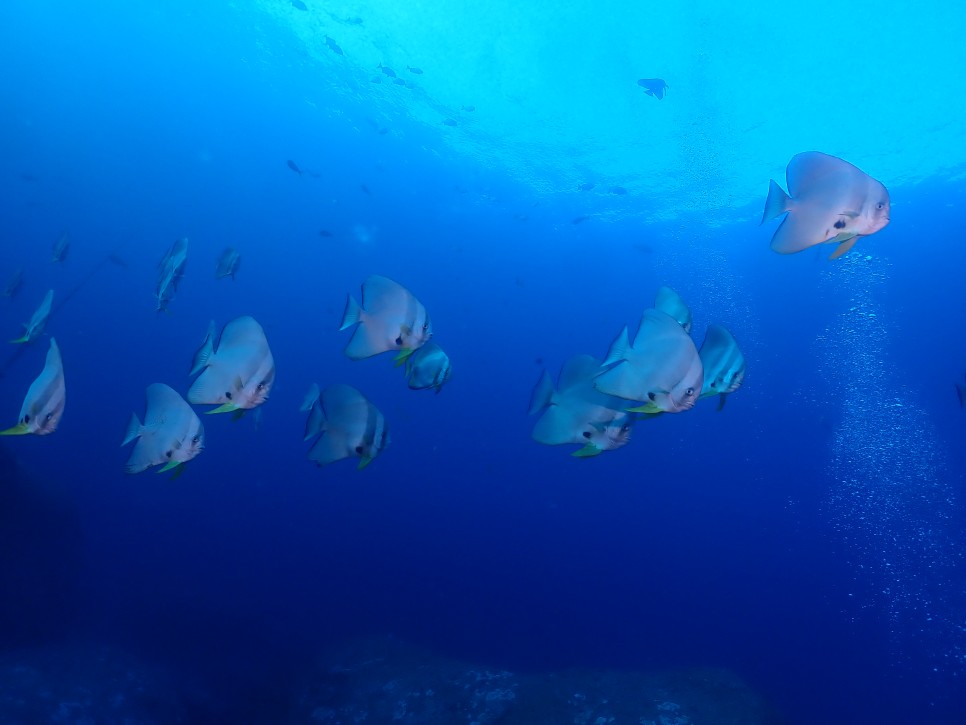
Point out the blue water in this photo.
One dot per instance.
(809, 536)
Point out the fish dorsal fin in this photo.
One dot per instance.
(618, 348)
(542, 394)
(777, 203)
(311, 397)
(579, 370)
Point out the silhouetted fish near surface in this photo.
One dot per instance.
(586, 186)
(293, 166)
(579, 219)
(619, 190)
(655, 87)
(325, 233)
(365, 189)
(961, 394)
(387, 70)
(29, 177)
(398, 81)
(14, 284)
(449, 121)
(61, 247)
(333, 46)
(468, 109)
(417, 71)
(829, 201)
(299, 5)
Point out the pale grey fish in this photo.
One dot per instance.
(829, 201)
(14, 283)
(390, 318)
(428, 367)
(669, 302)
(228, 263)
(61, 247)
(35, 328)
(170, 271)
(348, 425)
(662, 369)
(576, 412)
(238, 375)
(44, 404)
(172, 433)
(724, 364)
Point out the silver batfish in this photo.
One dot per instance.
(724, 364)
(390, 318)
(46, 396)
(428, 367)
(35, 328)
(347, 423)
(172, 434)
(238, 375)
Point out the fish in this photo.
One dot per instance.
(44, 404)
(662, 369)
(428, 367)
(228, 263)
(654, 87)
(172, 433)
(961, 394)
(619, 190)
(325, 233)
(387, 70)
(577, 412)
(26, 176)
(449, 121)
(390, 318)
(399, 82)
(239, 374)
(579, 219)
(468, 109)
(333, 46)
(14, 284)
(365, 189)
(669, 302)
(299, 5)
(293, 166)
(723, 362)
(586, 186)
(416, 71)
(170, 271)
(829, 201)
(35, 328)
(61, 247)
(347, 424)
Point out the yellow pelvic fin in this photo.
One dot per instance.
(17, 430)
(224, 408)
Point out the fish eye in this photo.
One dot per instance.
(260, 386)
(880, 205)
(167, 454)
(359, 450)
(228, 394)
(586, 434)
(651, 396)
(48, 417)
(689, 392)
(26, 418)
(625, 428)
(399, 340)
(196, 440)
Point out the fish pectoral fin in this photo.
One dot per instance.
(363, 462)
(223, 408)
(403, 356)
(17, 430)
(844, 247)
(587, 451)
(168, 466)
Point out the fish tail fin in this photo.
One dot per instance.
(722, 398)
(311, 398)
(542, 395)
(133, 429)
(352, 314)
(776, 203)
(961, 394)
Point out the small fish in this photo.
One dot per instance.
(239, 375)
(654, 87)
(14, 284)
(723, 362)
(299, 5)
(449, 121)
(365, 189)
(35, 328)
(347, 423)
(387, 70)
(333, 46)
(670, 303)
(662, 369)
(390, 318)
(586, 186)
(579, 219)
(961, 394)
(44, 404)
(416, 71)
(829, 201)
(293, 166)
(468, 109)
(29, 177)
(171, 270)
(619, 190)
(228, 263)
(61, 247)
(172, 433)
(325, 233)
(577, 412)
(399, 81)
(376, 79)
(428, 367)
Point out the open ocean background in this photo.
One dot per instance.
(809, 537)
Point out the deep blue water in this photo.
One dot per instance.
(723, 539)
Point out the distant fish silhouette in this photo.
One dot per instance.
(586, 186)
(333, 46)
(387, 70)
(399, 81)
(580, 219)
(449, 121)
(619, 190)
(961, 394)
(365, 189)
(417, 71)
(376, 79)
(325, 233)
(468, 109)
(655, 87)
(294, 167)
(29, 177)
(299, 5)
